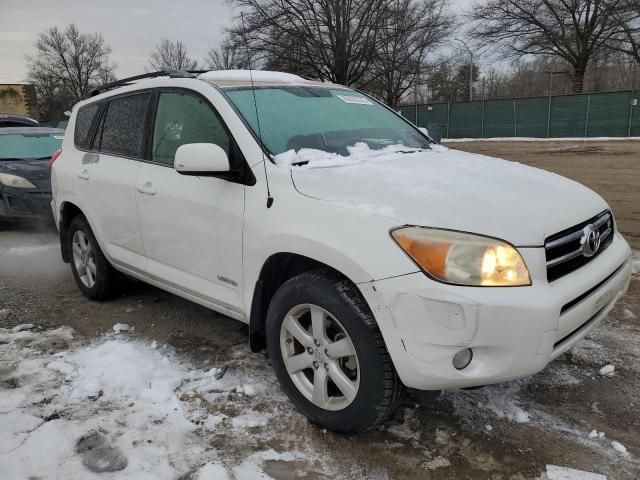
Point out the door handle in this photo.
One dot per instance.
(147, 189)
(84, 174)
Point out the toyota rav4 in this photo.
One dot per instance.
(363, 256)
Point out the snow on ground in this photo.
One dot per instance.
(535, 139)
(116, 404)
(555, 472)
(607, 370)
(501, 400)
(70, 410)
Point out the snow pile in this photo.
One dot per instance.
(123, 405)
(618, 447)
(501, 400)
(607, 371)
(555, 472)
(119, 371)
(358, 153)
(213, 471)
(596, 434)
(121, 327)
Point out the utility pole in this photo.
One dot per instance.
(551, 74)
(470, 66)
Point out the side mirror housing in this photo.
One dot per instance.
(201, 159)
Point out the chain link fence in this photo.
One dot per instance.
(615, 114)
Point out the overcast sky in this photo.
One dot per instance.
(130, 27)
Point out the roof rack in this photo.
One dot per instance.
(161, 73)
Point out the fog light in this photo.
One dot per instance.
(462, 359)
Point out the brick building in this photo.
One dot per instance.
(19, 99)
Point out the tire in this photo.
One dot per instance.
(373, 391)
(96, 278)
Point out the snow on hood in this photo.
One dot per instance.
(446, 188)
(358, 153)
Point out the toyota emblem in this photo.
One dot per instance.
(590, 241)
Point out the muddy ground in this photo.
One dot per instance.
(463, 434)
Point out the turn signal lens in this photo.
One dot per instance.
(463, 258)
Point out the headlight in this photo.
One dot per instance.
(463, 258)
(15, 181)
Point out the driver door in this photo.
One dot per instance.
(191, 226)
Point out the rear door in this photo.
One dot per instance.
(108, 174)
(191, 226)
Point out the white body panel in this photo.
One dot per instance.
(207, 239)
(192, 232)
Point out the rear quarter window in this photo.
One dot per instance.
(84, 120)
(123, 126)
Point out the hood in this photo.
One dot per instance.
(29, 169)
(445, 188)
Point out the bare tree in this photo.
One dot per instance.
(628, 42)
(335, 39)
(68, 64)
(169, 55)
(227, 56)
(411, 30)
(573, 30)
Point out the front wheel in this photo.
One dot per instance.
(329, 354)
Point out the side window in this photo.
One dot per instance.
(123, 126)
(182, 118)
(84, 120)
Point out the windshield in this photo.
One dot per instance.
(320, 118)
(29, 145)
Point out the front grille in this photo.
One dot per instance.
(564, 250)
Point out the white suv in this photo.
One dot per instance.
(363, 256)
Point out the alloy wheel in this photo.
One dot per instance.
(83, 259)
(319, 357)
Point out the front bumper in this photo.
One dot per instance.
(24, 203)
(513, 332)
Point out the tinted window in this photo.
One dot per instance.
(84, 120)
(123, 126)
(182, 118)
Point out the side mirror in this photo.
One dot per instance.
(201, 159)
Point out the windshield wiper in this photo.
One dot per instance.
(413, 150)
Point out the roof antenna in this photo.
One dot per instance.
(255, 106)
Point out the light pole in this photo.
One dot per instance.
(470, 66)
(551, 74)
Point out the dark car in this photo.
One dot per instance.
(25, 176)
(10, 120)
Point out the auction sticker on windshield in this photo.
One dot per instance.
(354, 99)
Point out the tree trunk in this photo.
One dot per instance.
(578, 78)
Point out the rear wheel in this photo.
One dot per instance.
(94, 275)
(328, 353)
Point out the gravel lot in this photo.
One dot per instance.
(509, 431)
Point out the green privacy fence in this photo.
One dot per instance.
(615, 114)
